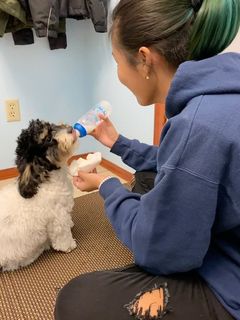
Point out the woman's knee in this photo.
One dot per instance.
(73, 299)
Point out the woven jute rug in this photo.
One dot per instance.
(30, 293)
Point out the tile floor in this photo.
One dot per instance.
(77, 193)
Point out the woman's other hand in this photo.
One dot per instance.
(105, 132)
(88, 181)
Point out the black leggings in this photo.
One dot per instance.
(116, 294)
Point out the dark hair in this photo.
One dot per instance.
(177, 29)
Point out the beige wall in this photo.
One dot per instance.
(235, 45)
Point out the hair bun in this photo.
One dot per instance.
(196, 4)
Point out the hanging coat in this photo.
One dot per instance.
(12, 16)
(25, 36)
(97, 10)
(46, 14)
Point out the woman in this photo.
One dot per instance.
(184, 233)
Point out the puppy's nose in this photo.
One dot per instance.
(69, 129)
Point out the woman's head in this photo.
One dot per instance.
(175, 30)
(179, 30)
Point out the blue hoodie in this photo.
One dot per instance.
(191, 218)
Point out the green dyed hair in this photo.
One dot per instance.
(174, 28)
(215, 27)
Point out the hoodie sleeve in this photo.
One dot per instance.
(169, 228)
(136, 155)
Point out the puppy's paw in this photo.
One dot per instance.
(72, 246)
(67, 246)
(11, 266)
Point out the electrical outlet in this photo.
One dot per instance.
(12, 110)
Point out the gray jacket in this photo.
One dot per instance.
(46, 14)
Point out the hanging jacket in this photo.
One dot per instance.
(97, 10)
(46, 14)
(190, 220)
(25, 35)
(12, 16)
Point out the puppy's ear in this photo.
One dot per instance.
(27, 182)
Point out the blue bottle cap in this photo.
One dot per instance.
(82, 131)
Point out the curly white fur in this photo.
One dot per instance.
(30, 226)
(35, 210)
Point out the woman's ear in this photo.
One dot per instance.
(146, 60)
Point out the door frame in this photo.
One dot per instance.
(159, 122)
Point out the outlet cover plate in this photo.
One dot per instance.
(12, 110)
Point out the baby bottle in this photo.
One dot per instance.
(88, 122)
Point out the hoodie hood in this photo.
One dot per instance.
(217, 75)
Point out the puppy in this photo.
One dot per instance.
(35, 210)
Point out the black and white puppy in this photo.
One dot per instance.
(35, 210)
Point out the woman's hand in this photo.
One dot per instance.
(88, 181)
(105, 132)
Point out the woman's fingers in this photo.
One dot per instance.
(77, 182)
(103, 117)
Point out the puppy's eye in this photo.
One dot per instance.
(49, 139)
